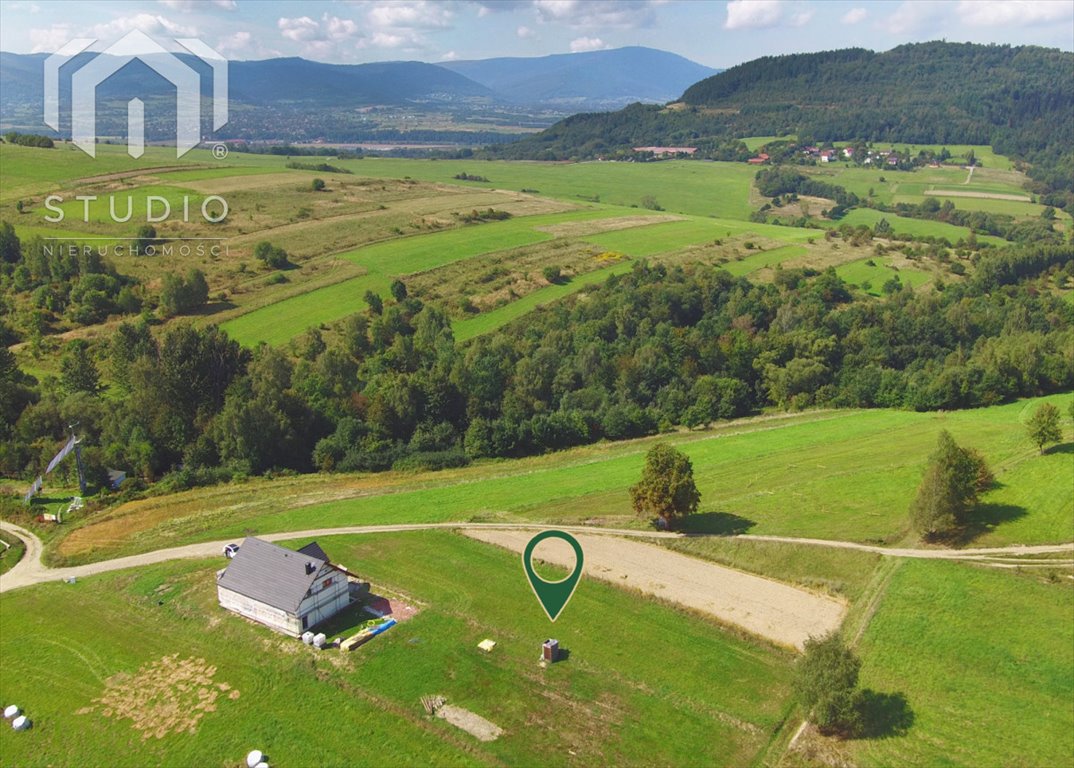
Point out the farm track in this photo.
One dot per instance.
(31, 570)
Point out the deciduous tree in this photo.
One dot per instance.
(948, 492)
(826, 682)
(1043, 426)
(667, 486)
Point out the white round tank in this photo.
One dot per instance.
(262, 764)
(254, 758)
(10, 712)
(20, 723)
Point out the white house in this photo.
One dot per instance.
(289, 591)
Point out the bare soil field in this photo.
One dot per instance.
(778, 612)
(982, 195)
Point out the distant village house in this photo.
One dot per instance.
(289, 591)
(667, 150)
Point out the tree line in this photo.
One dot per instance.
(647, 351)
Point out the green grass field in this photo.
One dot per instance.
(496, 318)
(837, 475)
(1010, 207)
(985, 661)
(372, 226)
(875, 274)
(11, 551)
(280, 321)
(906, 226)
(63, 644)
(680, 186)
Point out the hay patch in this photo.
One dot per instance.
(167, 696)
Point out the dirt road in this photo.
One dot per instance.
(30, 570)
(773, 610)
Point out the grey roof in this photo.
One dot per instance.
(314, 550)
(272, 574)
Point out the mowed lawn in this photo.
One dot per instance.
(637, 671)
(985, 661)
(846, 475)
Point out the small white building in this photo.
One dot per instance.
(289, 591)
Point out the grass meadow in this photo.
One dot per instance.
(907, 226)
(985, 661)
(830, 474)
(393, 218)
(608, 703)
(871, 274)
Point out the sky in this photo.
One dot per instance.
(717, 34)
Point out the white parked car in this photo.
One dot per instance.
(231, 550)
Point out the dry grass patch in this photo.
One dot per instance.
(167, 696)
(595, 227)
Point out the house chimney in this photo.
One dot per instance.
(310, 568)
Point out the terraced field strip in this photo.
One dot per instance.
(279, 322)
(663, 238)
(679, 186)
(907, 226)
(986, 204)
(978, 193)
(490, 321)
(770, 258)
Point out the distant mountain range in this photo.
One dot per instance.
(305, 100)
(587, 81)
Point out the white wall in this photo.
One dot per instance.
(322, 603)
(265, 614)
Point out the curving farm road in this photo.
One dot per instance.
(30, 570)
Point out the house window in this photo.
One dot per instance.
(327, 583)
(305, 622)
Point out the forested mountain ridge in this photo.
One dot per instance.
(1018, 99)
(926, 93)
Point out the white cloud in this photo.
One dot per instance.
(193, 5)
(301, 29)
(582, 44)
(598, 13)
(854, 16)
(410, 15)
(327, 37)
(244, 45)
(388, 40)
(913, 15)
(48, 39)
(236, 43)
(499, 6)
(751, 14)
(995, 13)
(450, 56)
(801, 18)
(525, 33)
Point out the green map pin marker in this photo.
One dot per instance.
(553, 595)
